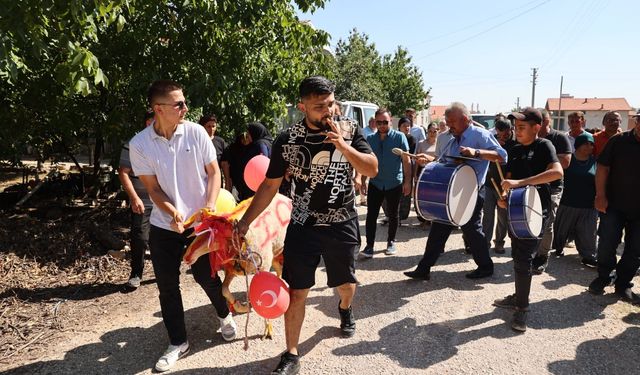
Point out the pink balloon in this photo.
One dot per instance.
(255, 171)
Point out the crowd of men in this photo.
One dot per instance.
(587, 184)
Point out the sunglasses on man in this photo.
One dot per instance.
(382, 122)
(180, 105)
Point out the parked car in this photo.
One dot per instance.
(361, 112)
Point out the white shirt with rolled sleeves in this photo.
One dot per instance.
(178, 164)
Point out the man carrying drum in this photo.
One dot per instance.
(474, 143)
(532, 161)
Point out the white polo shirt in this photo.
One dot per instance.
(178, 164)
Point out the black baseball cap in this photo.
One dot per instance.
(528, 114)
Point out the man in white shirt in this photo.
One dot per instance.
(176, 162)
(416, 130)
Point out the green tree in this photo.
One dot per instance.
(403, 82)
(357, 68)
(360, 73)
(72, 71)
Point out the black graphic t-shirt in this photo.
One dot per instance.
(530, 160)
(321, 185)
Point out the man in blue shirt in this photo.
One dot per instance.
(393, 180)
(468, 141)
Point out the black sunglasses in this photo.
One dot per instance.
(181, 104)
(382, 122)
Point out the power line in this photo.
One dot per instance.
(483, 31)
(472, 25)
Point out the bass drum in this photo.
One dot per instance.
(525, 212)
(446, 193)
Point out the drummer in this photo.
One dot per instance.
(471, 142)
(532, 161)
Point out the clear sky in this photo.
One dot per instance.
(482, 52)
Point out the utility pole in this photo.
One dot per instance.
(560, 104)
(518, 103)
(533, 86)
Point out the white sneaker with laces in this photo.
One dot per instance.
(171, 356)
(228, 327)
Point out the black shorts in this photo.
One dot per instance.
(337, 244)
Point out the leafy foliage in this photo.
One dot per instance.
(390, 80)
(73, 71)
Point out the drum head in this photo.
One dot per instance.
(462, 196)
(533, 211)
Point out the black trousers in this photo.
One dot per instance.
(523, 251)
(167, 249)
(139, 240)
(375, 197)
(471, 232)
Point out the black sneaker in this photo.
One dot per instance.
(289, 365)
(627, 295)
(508, 302)
(418, 275)
(540, 265)
(479, 273)
(519, 322)
(597, 286)
(347, 322)
(559, 253)
(590, 262)
(499, 249)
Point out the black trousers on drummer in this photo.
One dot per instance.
(523, 251)
(167, 248)
(375, 197)
(471, 231)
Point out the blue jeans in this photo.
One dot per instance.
(471, 231)
(610, 232)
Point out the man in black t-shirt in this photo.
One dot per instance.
(504, 135)
(563, 148)
(321, 158)
(531, 162)
(617, 187)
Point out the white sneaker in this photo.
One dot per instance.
(134, 282)
(171, 356)
(228, 327)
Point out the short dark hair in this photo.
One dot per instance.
(610, 113)
(382, 111)
(206, 118)
(502, 124)
(315, 85)
(160, 88)
(410, 110)
(148, 115)
(545, 114)
(578, 114)
(404, 120)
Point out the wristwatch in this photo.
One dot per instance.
(476, 154)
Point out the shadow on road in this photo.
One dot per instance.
(130, 350)
(419, 347)
(604, 356)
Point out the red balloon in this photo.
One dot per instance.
(269, 295)
(255, 171)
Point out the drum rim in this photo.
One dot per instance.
(526, 191)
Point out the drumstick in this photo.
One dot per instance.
(500, 171)
(400, 152)
(495, 185)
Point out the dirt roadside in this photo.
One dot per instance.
(446, 325)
